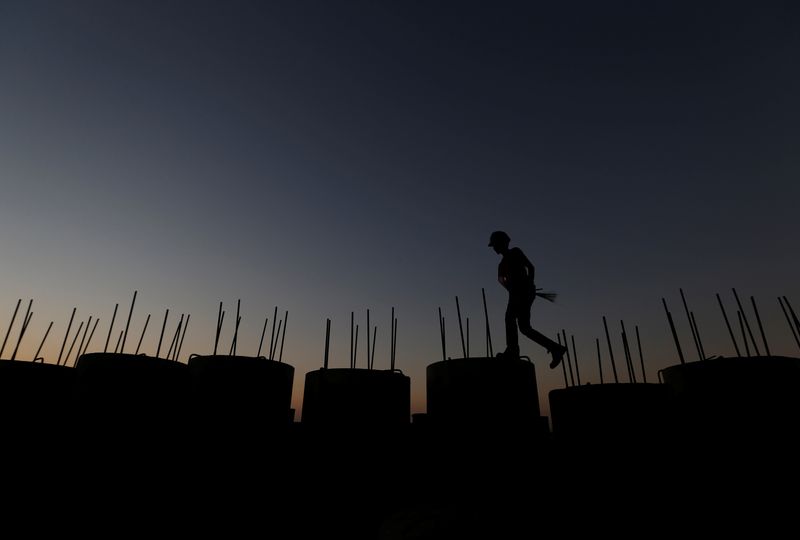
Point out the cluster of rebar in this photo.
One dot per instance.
(574, 379)
(82, 347)
(86, 335)
(280, 335)
(175, 346)
(465, 340)
(370, 343)
(747, 337)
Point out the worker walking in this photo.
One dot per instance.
(516, 274)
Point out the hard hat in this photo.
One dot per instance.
(499, 238)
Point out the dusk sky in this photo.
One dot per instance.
(329, 157)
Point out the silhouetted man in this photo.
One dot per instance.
(516, 274)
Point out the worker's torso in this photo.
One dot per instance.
(513, 273)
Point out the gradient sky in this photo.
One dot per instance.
(329, 157)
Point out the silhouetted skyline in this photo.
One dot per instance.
(332, 158)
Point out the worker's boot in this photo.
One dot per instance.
(558, 356)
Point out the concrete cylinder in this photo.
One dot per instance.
(482, 391)
(138, 388)
(738, 396)
(32, 392)
(613, 410)
(357, 397)
(236, 388)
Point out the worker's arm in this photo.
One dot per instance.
(530, 268)
(503, 281)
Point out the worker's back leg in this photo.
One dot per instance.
(538, 337)
(518, 312)
(552, 347)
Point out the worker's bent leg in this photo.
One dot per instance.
(538, 337)
(522, 309)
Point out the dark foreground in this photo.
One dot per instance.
(109, 477)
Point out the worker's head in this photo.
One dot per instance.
(499, 241)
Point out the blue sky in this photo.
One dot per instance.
(329, 159)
